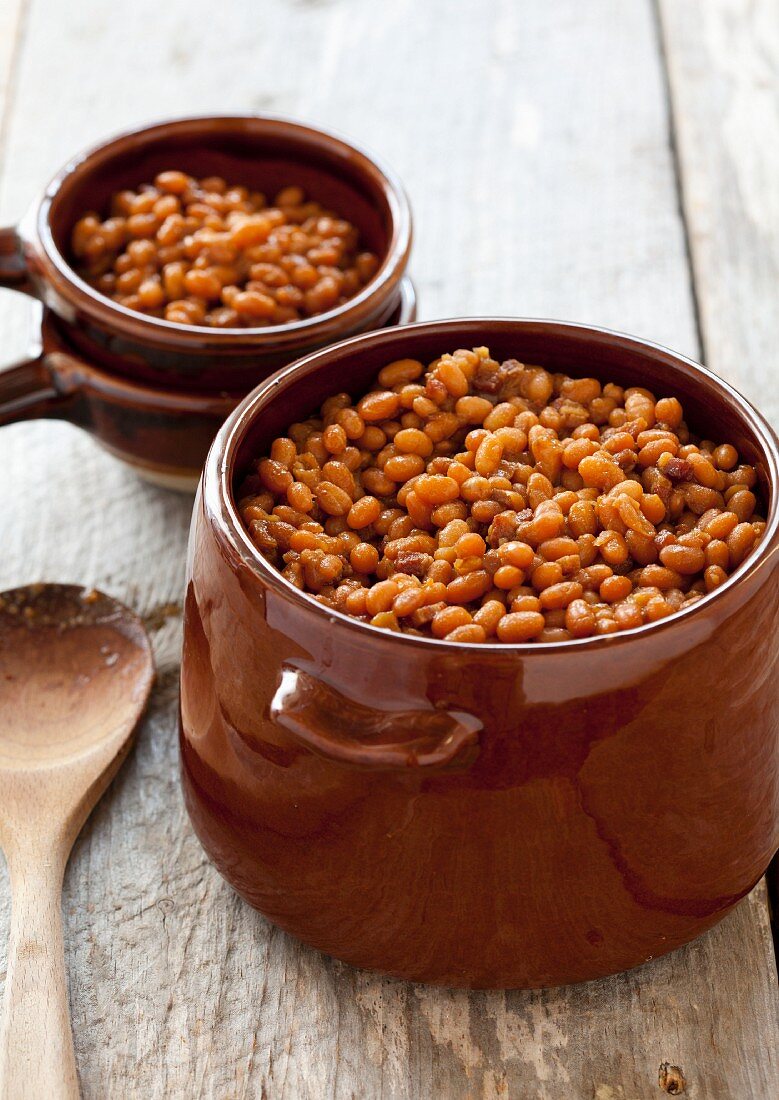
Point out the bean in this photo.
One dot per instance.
(437, 489)
(561, 594)
(546, 575)
(335, 439)
(469, 545)
(470, 632)
(580, 621)
(686, 560)
(659, 576)
(714, 576)
(657, 608)
(489, 615)
(364, 558)
(363, 512)
(401, 468)
(525, 603)
(556, 548)
(332, 499)
(726, 457)
(632, 516)
(452, 377)
(517, 553)
(742, 504)
(470, 587)
(520, 626)
(274, 475)
(614, 589)
(381, 597)
(488, 456)
(721, 524)
(507, 577)
(583, 518)
(739, 542)
(413, 441)
(473, 410)
(598, 471)
(448, 619)
(399, 372)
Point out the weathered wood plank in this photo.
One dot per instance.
(11, 21)
(534, 142)
(723, 59)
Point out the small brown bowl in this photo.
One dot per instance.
(208, 367)
(491, 815)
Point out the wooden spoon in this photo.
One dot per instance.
(75, 673)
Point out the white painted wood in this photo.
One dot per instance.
(13, 320)
(533, 139)
(723, 59)
(11, 19)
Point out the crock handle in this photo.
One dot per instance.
(30, 388)
(339, 729)
(27, 391)
(13, 268)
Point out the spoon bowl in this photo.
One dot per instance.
(67, 654)
(76, 670)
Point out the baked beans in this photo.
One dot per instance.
(480, 501)
(205, 252)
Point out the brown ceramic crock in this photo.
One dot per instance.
(480, 816)
(154, 391)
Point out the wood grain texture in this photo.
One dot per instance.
(723, 61)
(11, 23)
(534, 141)
(36, 1045)
(77, 673)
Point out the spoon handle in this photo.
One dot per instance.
(36, 1042)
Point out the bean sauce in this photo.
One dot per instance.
(478, 501)
(203, 252)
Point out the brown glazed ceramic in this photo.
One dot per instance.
(491, 815)
(164, 434)
(181, 380)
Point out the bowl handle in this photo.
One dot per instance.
(14, 272)
(28, 388)
(31, 387)
(29, 391)
(339, 729)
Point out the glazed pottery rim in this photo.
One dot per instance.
(219, 498)
(153, 395)
(384, 280)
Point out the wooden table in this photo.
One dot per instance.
(614, 161)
